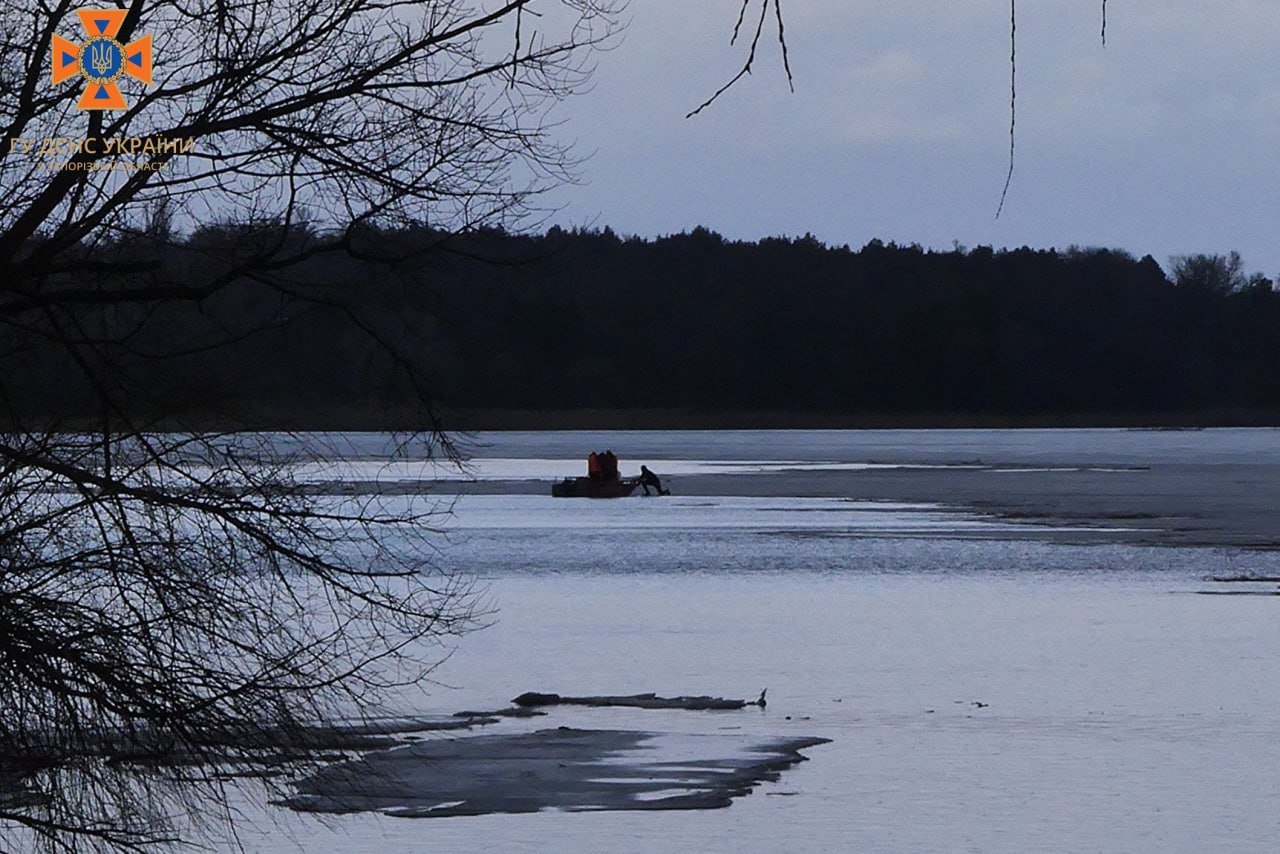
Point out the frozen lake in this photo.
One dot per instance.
(989, 683)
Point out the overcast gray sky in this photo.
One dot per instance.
(1163, 142)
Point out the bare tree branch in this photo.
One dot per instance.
(1013, 99)
(758, 33)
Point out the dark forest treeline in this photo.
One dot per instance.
(588, 320)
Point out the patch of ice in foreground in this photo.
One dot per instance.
(565, 769)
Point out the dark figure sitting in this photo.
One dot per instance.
(648, 479)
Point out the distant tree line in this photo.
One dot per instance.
(584, 319)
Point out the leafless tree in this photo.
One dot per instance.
(177, 605)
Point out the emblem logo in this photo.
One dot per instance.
(102, 60)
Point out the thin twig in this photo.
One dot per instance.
(782, 43)
(1013, 97)
(742, 16)
(515, 53)
(751, 51)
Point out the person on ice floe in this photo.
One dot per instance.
(648, 479)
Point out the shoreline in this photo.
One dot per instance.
(499, 420)
(462, 419)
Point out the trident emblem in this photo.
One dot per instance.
(102, 60)
(103, 57)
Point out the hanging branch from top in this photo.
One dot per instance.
(776, 5)
(1013, 98)
(761, 22)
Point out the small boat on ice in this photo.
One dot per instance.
(603, 480)
(585, 487)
